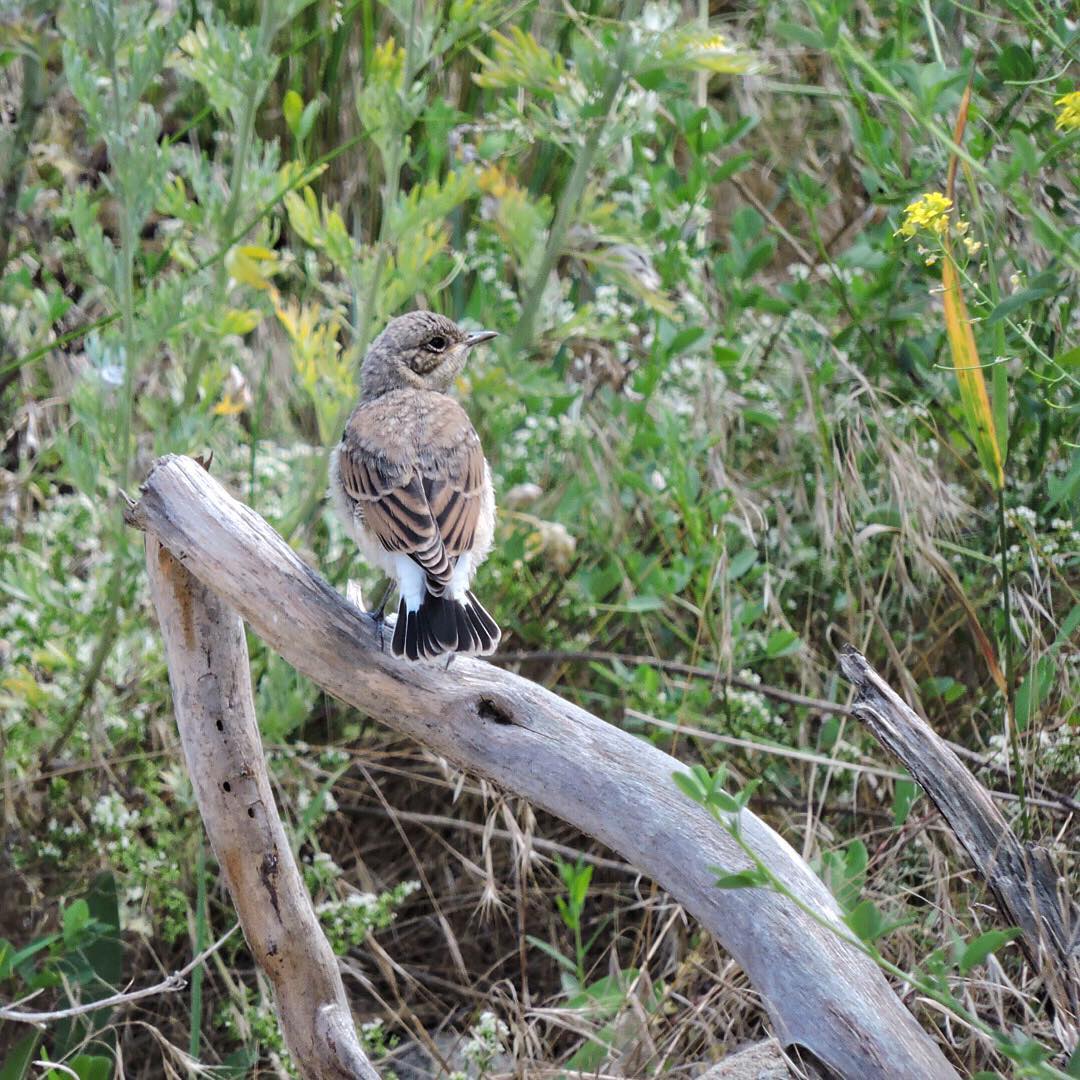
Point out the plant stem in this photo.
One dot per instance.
(571, 195)
(245, 135)
(200, 944)
(390, 191)
(1010, 697)
(29, 110)
(125, 290)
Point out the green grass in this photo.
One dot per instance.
(726, 433)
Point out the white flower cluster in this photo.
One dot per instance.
(487, 1037)
(749, 706)
(324, 862)
(111, 815)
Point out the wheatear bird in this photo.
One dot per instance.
(412, 484)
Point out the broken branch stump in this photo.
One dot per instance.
(1028, 889)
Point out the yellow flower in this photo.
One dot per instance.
(493, 181)
(228, 406)
(252, 265)
(929, 212)
(1069, 117)
(713, 43)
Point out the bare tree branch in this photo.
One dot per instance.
(1029, 891)
(822, 994)
(211, 685)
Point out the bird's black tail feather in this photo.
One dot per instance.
(444, 625)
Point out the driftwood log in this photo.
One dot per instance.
(215, 714)
(825, 998)
(1029, 891)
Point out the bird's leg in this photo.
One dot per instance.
(379, 614)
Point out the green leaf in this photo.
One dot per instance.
(1064, 489)
(1073, 1067)
(855, 862)
(1015, 64)
(18, 1060)
(744, 879)
(865, 921)
(764, 419)
(76, 919)
(690, 785)
(740, 563)
(1069, 359)
(1040, 287)
(905, 793)
(604, 997)
(683, 339)
(782, 643)
(550, 950)
(801, 34)
(642, 604)
(722, 801)
(1068, 628)
(307, 117)
(1034, 691)
(16, 960)
(729, 167)
(758, 257)
(978, 949)
(91, 1067)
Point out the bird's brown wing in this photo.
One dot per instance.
(417, 477)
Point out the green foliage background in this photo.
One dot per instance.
(725, 432)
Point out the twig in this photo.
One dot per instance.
(440, 821)
(1050, 797)
(809, 756)
(676, 668)
(176, 981)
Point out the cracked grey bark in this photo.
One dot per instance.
(211, 685)
(822, 994)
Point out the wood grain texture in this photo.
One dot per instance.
(822, 994)
(211, 686)
(1029, 891)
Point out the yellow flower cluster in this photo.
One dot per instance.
(1069, 117)
(929, 212)
(713, 43)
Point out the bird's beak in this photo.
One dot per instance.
(480, 335)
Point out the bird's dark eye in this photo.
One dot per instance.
(436, 344)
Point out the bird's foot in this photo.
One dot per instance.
(379, 616)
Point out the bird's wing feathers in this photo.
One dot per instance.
(417, 479)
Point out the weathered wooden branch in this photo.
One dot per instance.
(211, 685)
(1029, 891)
(821, 993)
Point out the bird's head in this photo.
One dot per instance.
(420, 349)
